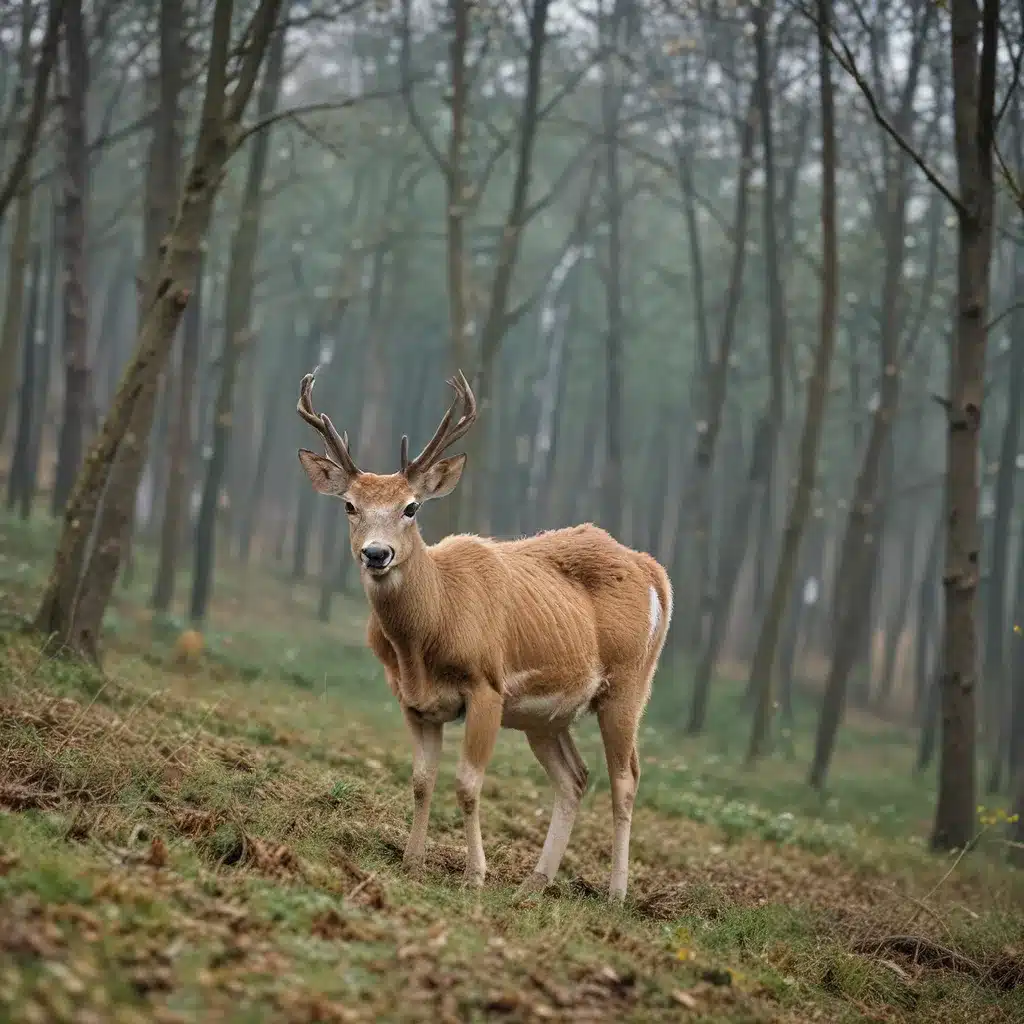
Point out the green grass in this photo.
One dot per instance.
(223, 841)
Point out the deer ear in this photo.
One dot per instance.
(326, 476)
(440, 479)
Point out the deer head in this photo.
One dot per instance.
(381, 510)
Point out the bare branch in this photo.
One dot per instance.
(848, 63)
(407, 94)
(297, 113)
(37, 108)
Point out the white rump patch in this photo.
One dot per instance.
(655, 614)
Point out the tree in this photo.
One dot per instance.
(76, 295)
(763, 663)
(114, 525)
(37, 105)
(220, 133)
(237, 328)
(859, 547)
(974, 127)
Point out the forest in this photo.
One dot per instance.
(740, 282)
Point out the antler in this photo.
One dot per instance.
(447, 433)
(335, 443)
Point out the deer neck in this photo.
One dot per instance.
(407, 600)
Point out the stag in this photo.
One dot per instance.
(525, 634)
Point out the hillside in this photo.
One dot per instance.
(219, 837)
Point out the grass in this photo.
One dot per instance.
(222, 841)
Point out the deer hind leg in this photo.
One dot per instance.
(427, 740)
(483, 721)
(618, 717)
(568, 774)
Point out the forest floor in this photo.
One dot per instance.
(220, 840)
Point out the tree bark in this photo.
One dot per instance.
(974, 135)
(19, 487)
(76, 298)
(17, 263)
(237, 332)
(763, 663)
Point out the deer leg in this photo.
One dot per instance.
(568, 774)
(426, 757)
(618, 717)
(483, 721)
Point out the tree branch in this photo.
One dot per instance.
(297, 113)
(34, 122)
(848, 63)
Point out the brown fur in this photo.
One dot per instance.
(527, 634)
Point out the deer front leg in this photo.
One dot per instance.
(427, 738)
(483, 721)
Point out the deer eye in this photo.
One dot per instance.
(411, 509)
(350, 509)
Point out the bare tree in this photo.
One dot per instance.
(237, 327)
(114, 525)
(37, 106)
(76, 296)
(974, 123)
(763, 663)
(219, 135)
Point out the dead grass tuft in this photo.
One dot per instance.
(684, 899)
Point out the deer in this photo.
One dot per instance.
(527, 634)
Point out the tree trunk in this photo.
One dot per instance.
(17, 263)
(974, 131)
(998, 691)
(734, 549)
(76, 298)
(219, 122)
(775, 293)
(237, 333)
(112, 541)
(855, 586)
(45, 362)
(817, 395)
(36, 112)
(611, 108)
(19, 487)
(172, 529)
(476, 491)
(250, 513)
(304, 514)
(897, 618)
(710, 425)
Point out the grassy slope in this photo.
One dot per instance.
(221, 841)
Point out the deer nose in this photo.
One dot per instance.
(377, 556)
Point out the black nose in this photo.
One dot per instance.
(377, 556)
